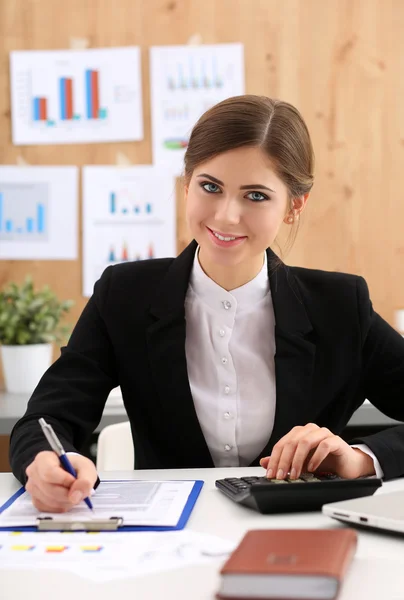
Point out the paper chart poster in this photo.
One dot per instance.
(128, 214)
(76, 96)
(185, 82)
(38, 213)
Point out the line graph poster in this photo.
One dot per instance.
(185, 82)
(76, 96)
(38, 213)
(128, 215)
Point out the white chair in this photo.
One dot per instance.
(115, 448)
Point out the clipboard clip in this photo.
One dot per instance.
(55, 524)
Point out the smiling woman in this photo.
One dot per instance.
(225, 356)
(253, 156)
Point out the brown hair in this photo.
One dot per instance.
(274, 126)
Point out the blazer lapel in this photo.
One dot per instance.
(295, 353)
(166, 347)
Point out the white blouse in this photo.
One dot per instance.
(230, 352)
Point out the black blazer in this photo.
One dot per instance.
(332, 352)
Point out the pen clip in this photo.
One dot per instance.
(51, 437)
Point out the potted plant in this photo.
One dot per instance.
(29, 323)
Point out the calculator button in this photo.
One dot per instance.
(309, 477)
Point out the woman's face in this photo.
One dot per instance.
(235, 205)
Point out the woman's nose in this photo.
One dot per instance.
(228, 211)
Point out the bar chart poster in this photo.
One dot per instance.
(38, 213)
(185, 82)
(76, 96)
(129, 214)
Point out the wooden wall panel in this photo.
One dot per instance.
(341, 62)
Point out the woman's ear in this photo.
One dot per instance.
(299, 203)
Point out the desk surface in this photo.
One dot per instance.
(12, 407)
(378, 570)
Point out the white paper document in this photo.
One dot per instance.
(76, 96)
(107, 556)
(128, 215)
(185, 82)
(141, 503)
(38, 213)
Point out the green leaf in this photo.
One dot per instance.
(28, 316)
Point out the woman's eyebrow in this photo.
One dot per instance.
(257, 186)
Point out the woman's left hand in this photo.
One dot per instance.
(312, 448)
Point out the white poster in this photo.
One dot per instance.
(185, 82)
(128, 214)
(38, 213)
(76, 96)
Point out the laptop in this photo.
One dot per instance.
(382, 511)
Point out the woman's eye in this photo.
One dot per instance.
(257, 196)
(210, 187)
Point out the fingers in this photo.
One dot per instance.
(293, 450)
(52, 489)
(47, 468)
(330, 445)
(86, 478)
(48, 501)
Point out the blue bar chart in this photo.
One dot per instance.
(126, 203)
(23, 212)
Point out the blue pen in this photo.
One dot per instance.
(57, 447)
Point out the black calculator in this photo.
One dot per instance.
(308, 492)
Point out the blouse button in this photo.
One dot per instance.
(226, 415)
(227, 447)
(226, 389)
(222, 332)
(226, 304)
(224, 360)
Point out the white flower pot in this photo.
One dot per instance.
(23, 366)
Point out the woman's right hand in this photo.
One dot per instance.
(52, 489)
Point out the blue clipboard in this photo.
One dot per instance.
(182, 521)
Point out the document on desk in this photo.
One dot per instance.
(138, 502)
(108, 556)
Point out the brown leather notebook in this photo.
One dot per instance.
(288, 564)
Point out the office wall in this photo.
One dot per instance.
(341, 62)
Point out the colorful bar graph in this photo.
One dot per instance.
(40, 109)
(30, 225)
(66, 98)
(93, 96)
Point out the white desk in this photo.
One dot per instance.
(377, 573)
